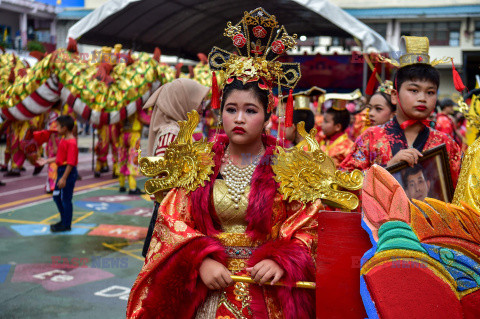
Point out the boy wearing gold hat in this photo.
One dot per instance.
(334, 140)
(408, 134)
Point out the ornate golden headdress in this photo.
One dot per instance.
(415, 50)
(386, 87)
(259, 41)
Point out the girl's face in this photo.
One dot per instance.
(380, 112)
(243, 117)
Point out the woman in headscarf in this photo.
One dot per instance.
(171, 103)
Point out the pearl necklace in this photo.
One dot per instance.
(238, 178)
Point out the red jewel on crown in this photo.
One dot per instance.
(419, 59)
(259, 31)
(239, 40)
(278, 47)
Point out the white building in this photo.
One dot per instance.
(24, 20)
(453, 27)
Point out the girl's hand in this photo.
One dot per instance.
(41, 161)
(266, 270)
(410, 156)
(214, 275)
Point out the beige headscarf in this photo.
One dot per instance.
(172, 102)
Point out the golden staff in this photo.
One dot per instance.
(298, 284)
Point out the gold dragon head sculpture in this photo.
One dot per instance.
(308, 176)
(186, 163)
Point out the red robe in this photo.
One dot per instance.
(187, 230)
(337, 147)
(378, 144)
(445, 124)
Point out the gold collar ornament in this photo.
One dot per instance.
(259, 41)
(303, 176)
(186, 164)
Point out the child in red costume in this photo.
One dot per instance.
(407, 135)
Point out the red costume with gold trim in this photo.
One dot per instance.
(338, 147)
(378, 144)
(190, 228)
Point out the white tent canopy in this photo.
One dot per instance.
(184, 28)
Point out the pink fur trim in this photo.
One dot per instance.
(257, 304)
(177, 290)
(294, 258)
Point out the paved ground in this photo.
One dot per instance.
(85, 273)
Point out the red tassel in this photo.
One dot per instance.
(457, 80)
(157, 54)
(215, 93)
(37, 55)
(11, 77)
(202, 57)
(72, 45)
(289, 110)
(178, 67)
(371, 83)
(190, 71)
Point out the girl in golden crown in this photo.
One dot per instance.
(237, 223)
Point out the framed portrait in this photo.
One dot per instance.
(430, 177)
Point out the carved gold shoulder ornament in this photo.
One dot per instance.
(186, 164)
(310, 175)
(303, 175)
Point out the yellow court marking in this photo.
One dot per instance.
(49, 218)
(44, 196)
(83, 217)
(19, 221)
(126, 252)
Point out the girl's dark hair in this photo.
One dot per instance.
(387, 98)
(262, 95)
(417, 71)
(66, 121)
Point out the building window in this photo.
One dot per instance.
(380, 28)
(476, 34)
(438, 33)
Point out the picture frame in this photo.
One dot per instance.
(430, 177)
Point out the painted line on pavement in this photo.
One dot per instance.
(83, 217)
(127, 252)
(34, 200)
